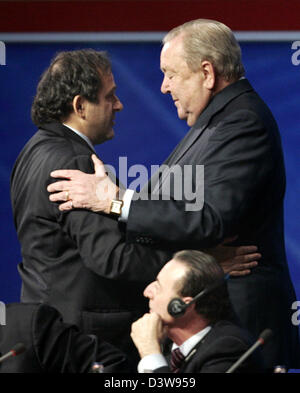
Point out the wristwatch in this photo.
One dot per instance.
(116, 207)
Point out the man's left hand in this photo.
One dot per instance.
(235, 260)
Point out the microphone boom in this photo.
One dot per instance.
(16, 350)
(263, 337)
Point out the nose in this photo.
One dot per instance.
(148, 291)
(165, 86)
(118, 106)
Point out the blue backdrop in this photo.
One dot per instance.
(147, 129)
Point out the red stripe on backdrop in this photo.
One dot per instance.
(145, 15)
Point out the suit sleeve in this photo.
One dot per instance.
(59, 347)
(62, 348)
(237, 163)
(102, 244)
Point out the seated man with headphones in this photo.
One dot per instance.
(189, 304)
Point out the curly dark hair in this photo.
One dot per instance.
(71, 73)
(203, 271)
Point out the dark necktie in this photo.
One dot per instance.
(177, 360)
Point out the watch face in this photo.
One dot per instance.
(116, 207)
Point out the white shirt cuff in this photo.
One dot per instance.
(126, 205)
(151, 362)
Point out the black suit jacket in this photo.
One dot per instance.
(78, 262)
(51, 345)
(237, 140)
(222, 346)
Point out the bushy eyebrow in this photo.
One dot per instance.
(111, 91)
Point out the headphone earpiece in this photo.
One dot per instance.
(176, 307)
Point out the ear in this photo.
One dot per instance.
(187, 299)
(209, 75)
(191, 308)
(79, 106)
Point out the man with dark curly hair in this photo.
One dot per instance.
(78, 262)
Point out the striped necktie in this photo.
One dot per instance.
(177, 359)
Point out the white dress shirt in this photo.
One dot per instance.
(127, 198)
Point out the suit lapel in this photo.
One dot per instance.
(158, 180)
(192, 353)
(193, 135)
(167, 348)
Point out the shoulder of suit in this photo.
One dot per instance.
(61, 146)
(227, 330)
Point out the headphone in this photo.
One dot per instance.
(177, 306)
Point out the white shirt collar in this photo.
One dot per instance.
(190, 343)
(88, 141)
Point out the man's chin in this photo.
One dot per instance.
(110, 135)
(191, 120)
(182, 114)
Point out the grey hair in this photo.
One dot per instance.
(205, 39)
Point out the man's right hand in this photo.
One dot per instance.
(147, 333)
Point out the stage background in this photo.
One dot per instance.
(147, 129)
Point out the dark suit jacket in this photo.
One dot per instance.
(237, 140)
(223, 345)
(78, 262)
(51, 345)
